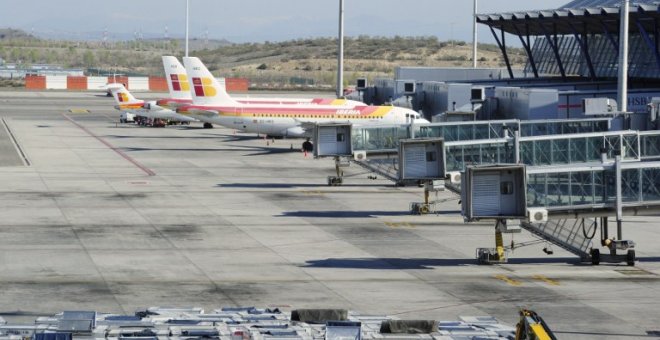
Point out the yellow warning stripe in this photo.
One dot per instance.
(510, 281)
(546, 280)
(399, 225)
(79, 111)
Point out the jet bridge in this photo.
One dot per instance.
(576, 170)
(484, 142)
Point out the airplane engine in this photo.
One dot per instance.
(296, 131)
(149, 105)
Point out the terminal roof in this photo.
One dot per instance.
(576, 17)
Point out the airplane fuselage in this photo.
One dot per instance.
(289, 121)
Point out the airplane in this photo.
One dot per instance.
(212, 104)
(179, 86)
(127, 102)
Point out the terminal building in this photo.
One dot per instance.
(572, 54)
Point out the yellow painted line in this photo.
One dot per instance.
(546, 280)
(312, 193)
(400, 225)
(510, 281)
(79, 111)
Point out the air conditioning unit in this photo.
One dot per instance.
(360, 155)
(537, 215)
(454, 177)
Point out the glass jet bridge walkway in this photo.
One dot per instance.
(571, 168)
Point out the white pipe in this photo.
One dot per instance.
(340, 56)
(474, 36)
(623, 57)
(187, 23)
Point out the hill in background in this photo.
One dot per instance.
(10, 33)
(295, 63)
(314, 61)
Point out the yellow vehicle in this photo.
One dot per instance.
(532, 327)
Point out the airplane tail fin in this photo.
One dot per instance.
(123, 98)
(177, 78)
(206, 90)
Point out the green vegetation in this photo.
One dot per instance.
(294, 63)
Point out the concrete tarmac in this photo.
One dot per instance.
(113, 217)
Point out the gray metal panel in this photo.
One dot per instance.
(415, 161)
(327, 143)
(78, 315)
(76, 325)
(486, 194)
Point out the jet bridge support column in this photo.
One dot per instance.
(617, 243)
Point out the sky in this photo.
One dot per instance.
(255, 20)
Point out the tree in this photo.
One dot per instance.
(262, 67)
(88, 58)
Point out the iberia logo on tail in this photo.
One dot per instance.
(203, 87)
(180, 82)
(122, 97)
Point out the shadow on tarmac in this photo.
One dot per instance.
(400, 263)
(270, 185)
(343, 214)
(650, 334)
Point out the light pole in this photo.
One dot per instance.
(340, 52)
(451, 33)
(623, 57)
(474, 36)
(187, 23)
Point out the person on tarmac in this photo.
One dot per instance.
(307, 146)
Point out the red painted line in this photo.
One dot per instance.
(112, 147)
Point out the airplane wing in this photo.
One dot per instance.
(307, 126)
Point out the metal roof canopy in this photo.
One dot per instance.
(571, 20)
(580, 22)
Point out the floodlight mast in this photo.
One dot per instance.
(340, 54)
(187, 23)
(474, 36)
(623, 57)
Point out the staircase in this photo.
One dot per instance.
(568, 234)
(385, 166)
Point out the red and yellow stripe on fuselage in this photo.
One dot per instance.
(134, 106)
(303, 113)
(332, 102)
(171, 103)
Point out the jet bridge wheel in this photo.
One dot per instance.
(208, 126)
(595, 257)
(630, 258)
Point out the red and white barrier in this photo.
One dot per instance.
(77, 83)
